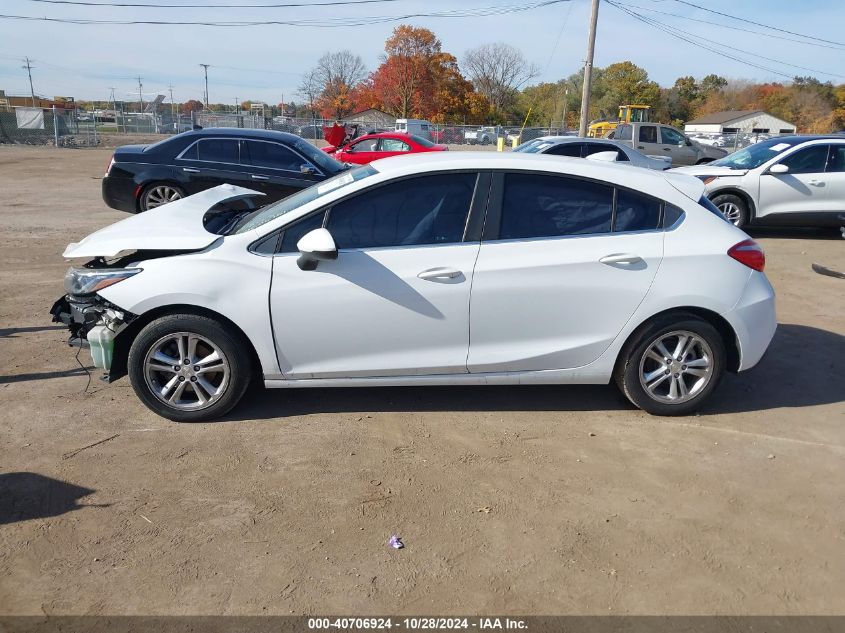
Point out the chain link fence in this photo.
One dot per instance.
(70, 128)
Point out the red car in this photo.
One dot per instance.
(370, 147)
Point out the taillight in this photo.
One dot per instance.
(749, 253)
(111, 162)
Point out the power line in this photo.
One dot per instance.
(736, 28)
(321, 23)
(285, 5)
(767, 26)
(675, 32)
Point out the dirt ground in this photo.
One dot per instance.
(517, 500)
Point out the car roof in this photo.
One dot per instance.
(625, 175)
(803, 138)
(267, 135)
(574, 139)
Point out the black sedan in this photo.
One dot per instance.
(140, 177)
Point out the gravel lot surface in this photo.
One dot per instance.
(545, 500)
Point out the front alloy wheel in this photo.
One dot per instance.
(189, 368)
(186, 371)
(157, 195)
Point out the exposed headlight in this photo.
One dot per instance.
(86, 281)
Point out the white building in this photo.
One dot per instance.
(733, 121)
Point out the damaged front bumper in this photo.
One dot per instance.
(95, 324)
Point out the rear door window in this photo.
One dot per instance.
(836, 161)
(648, 134)
(536, 205)
(219, 150)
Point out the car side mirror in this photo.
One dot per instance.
(604, 157)
(315, 246)
(780, 168)
(308, 170)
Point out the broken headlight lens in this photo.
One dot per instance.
(86, 281)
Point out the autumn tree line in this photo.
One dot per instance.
(492, 84)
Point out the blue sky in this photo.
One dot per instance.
(266, 62)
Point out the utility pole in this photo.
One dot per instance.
(205, 70)
(172, 104)
(28, 66)
(141, 93)
(236, 105)
(588, 70)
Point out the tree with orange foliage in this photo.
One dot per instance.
(191, 106)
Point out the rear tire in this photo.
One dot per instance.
(189, 368)
(733, 208)
(158, 193)
(696, 363)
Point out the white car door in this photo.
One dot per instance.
(559, 273)
(396, 300)
(802, 189)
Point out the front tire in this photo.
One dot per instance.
(673, 366)
(159, 193)
(733, 208)
(188, 368)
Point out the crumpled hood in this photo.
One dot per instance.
(709, 170)
(174, 226)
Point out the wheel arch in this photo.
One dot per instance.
(735, 191)
(729, 337)
(123, 341)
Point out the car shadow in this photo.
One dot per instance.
(795, 233)
(25, 496)
(803, 368)
(46, 375)
(11, 332)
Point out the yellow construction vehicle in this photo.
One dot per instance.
(631, 113)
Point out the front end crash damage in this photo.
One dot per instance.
(97, 325)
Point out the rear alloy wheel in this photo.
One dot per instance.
(733, 208)
(188, 368)
(673, 366)
(158, 194)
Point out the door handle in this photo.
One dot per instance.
(191, 170)
(817, 183)
(667, 149)
(623, 259)
(259, 177)
(640, 147)
(439, 274)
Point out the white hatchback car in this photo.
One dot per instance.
(786, 180)
(431, 269)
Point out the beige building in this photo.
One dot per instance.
(734, 121)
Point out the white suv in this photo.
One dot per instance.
(788, 180)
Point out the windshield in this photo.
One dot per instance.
(291, 203)
(319, 157)
(534, 147)
(421, 141)
(755, 155)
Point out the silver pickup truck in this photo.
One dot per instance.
(656, 139)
